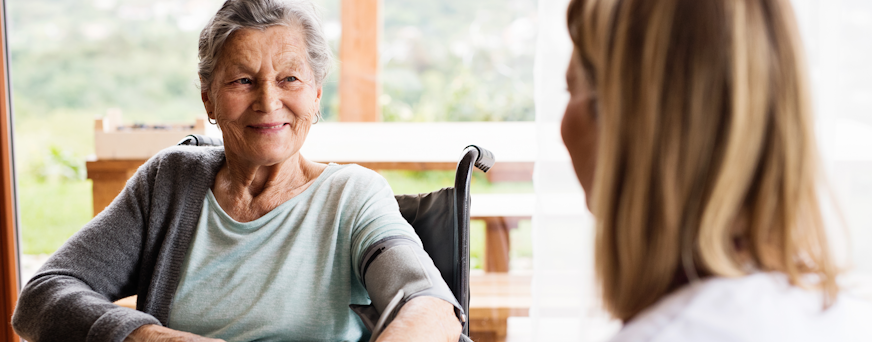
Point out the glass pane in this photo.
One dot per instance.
(72, 61)
(330, 16)
(458, 60)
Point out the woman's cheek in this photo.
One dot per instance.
(580, 136)
(570, 128)
(567, 127)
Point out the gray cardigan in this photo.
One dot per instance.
(136, 246)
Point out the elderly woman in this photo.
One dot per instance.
(250, 241)
(690, 129)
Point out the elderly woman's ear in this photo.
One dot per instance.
(318, 92)
(207, 103)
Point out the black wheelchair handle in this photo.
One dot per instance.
(485, 160)
(201, 140)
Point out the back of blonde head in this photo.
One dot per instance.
(707, 161)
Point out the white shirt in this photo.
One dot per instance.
(758, 307)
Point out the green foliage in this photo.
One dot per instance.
(54, 199)
(58, 165)
(414, 182)
(452, 60)
(477, 233)
(458, 60)
(50, 212)
(66, 54)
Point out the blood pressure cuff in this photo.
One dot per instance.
(393, 264)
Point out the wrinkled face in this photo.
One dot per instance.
(264, 95)
(579, 127)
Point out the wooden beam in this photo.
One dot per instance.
(409, 166)
(359, 85)
(8, 230)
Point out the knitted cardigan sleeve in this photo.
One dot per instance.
(70, 298)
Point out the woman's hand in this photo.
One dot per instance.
(156, 333)
(424, 319)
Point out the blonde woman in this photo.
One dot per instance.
(690, 128)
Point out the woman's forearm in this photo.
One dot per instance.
(70, 297)
(156, 333)
(424, 319)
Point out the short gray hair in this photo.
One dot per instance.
(262, 14)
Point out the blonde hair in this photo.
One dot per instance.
(707, 162)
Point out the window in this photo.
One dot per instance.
(458, 60)
(72, 61)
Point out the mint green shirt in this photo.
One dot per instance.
(291, 274)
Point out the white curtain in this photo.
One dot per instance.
(564, 302)
(838, 39)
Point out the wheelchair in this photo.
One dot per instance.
(440, 218)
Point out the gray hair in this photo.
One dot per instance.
(262, 14)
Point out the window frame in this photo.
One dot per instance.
(9, 267)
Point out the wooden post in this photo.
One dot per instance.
(359, 85)
(497, 243)
(8, 230)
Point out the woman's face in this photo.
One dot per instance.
(264, 95)
(579, 127)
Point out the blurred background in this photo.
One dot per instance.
(72, 61)
(439, 61)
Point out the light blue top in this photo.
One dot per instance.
(291, 274)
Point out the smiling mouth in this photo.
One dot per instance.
(268, 126)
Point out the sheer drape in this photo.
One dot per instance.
(838, 39)
(564, 302)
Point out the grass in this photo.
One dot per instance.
(413, 182)
(54, 199)
(51, 212)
